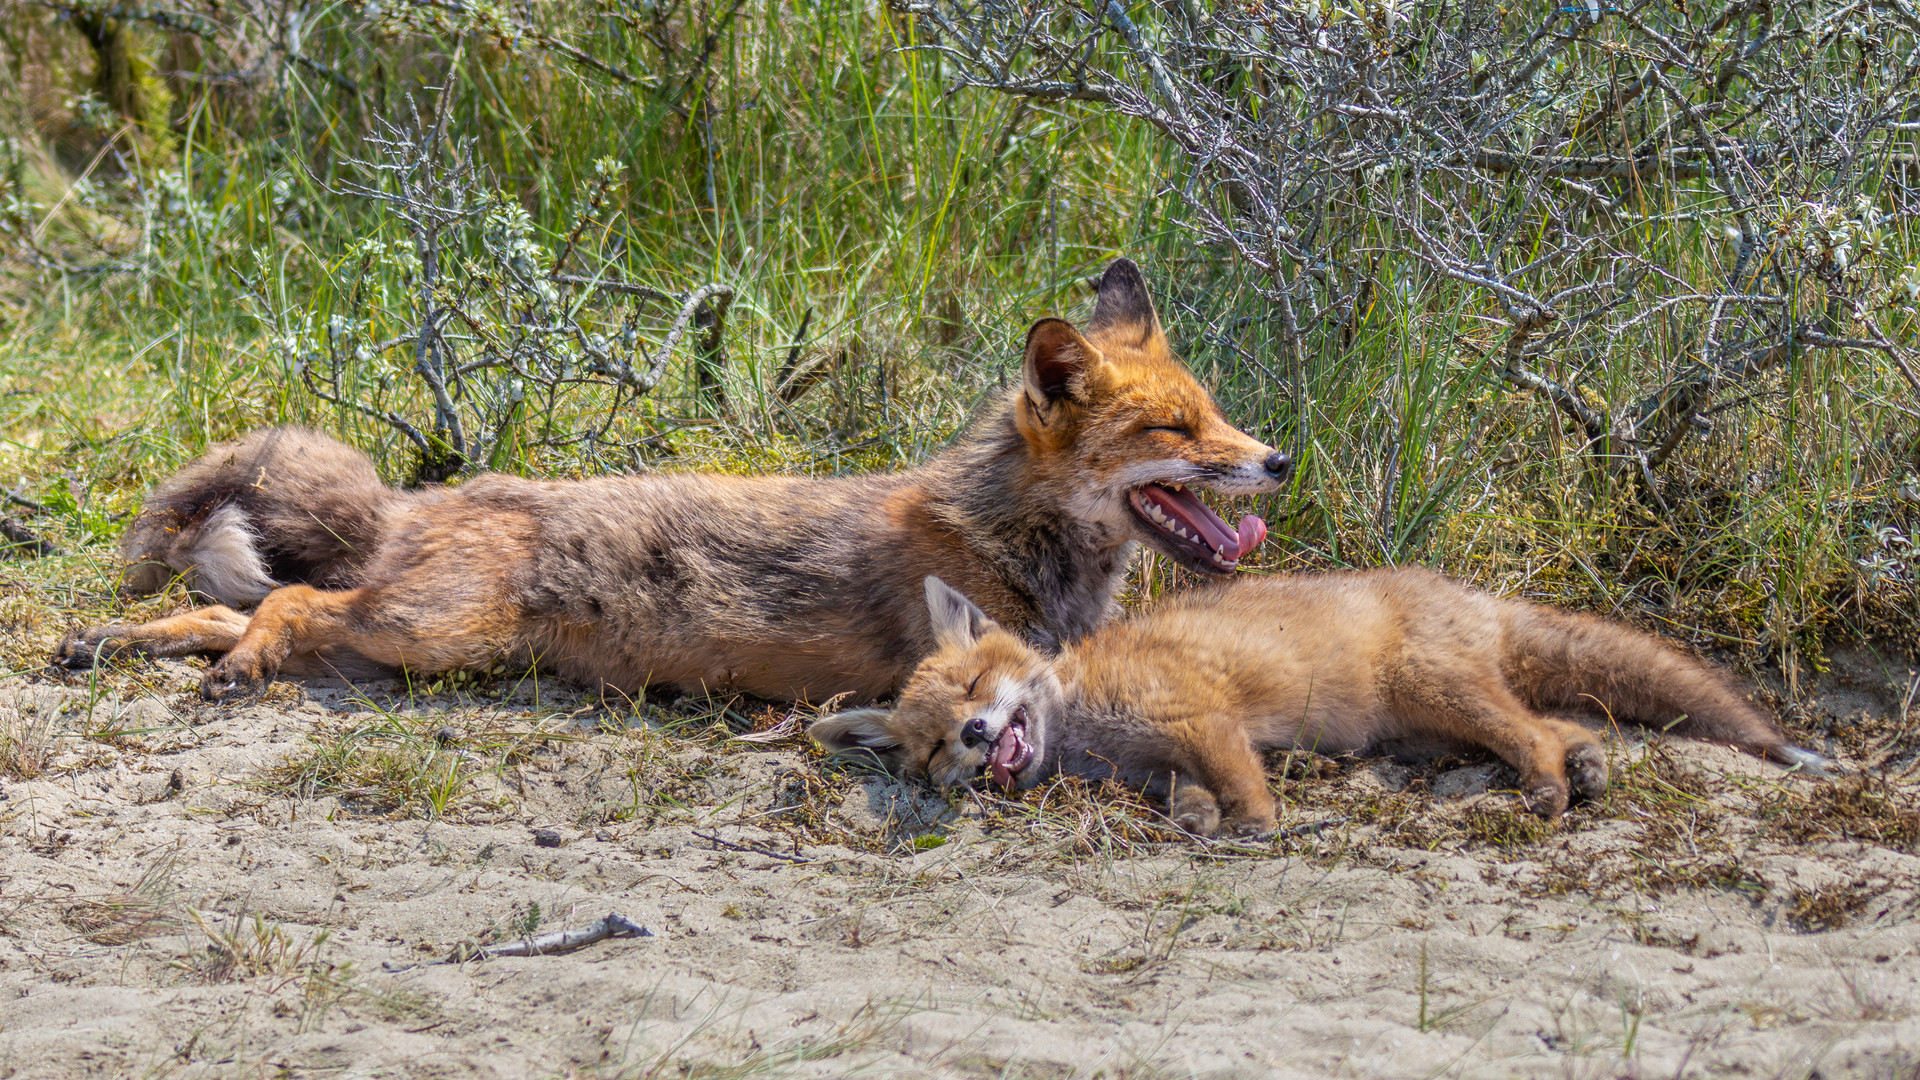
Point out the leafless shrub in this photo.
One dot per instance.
(514, 344)
(1730, 181)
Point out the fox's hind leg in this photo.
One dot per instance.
(421, 628)
(203, 630)
(1586, 758)
(1547, 753)
(438, 596)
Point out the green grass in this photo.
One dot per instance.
(833, 182)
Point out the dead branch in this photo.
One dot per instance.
(1497, 150)
(614, 925)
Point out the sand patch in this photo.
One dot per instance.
(269, 890)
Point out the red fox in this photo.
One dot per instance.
(1185, 697)
(783, 587)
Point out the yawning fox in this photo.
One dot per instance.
(1184, 698)
(784, 587)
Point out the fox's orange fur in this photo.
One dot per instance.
(779, 586)
(1185, 697)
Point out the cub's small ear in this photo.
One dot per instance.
(855, 729)
(1058, 363)
(1123, 302)
(957, 621)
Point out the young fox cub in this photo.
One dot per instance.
(1185, 697)
(783, 587)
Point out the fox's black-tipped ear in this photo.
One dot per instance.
(957, 621)
(1058, 363)
(1123, 301)
(855, 729)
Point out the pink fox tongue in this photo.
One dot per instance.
(1252, 531)
(1006, 750)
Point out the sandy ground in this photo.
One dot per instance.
(266, 890)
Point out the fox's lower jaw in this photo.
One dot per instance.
(1188, 530)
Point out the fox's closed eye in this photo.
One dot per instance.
(975, 682)
(1170, 429)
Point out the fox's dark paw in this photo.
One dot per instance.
(233, 682)
(1252, 826)
(1546, 796)
(1587, 769)
(82, 649)
(1195, 810)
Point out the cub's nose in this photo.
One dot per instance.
(975, 732)
(1279, 465)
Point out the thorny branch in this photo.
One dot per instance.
(498, 328)
(1368, 152)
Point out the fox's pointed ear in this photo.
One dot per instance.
(1123, 302)
(855, 729)
(1058, 363)
(957, 621)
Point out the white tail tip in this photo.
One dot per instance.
(1807, 761)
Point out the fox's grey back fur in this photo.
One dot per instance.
(678, 572)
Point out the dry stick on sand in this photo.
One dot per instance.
(753, 849)
(613, 926)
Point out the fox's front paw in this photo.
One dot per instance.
(1546, 796)
(1252, 826)
(230, 681)
(82, 649)
(1195, 810)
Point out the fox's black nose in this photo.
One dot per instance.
(975, 732)
(1279, 465)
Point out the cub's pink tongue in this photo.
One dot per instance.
(1005, 757)
(1252, 531)
(1003, 752)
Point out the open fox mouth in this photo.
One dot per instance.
(1011, 752)
(1193, 530)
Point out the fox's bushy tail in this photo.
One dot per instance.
(278, 506)
(1561, 659)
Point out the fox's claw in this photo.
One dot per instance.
(1195, 810)
(1253, 828)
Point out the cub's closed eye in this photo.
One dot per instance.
(974, 683)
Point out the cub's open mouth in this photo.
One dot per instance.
(1193, 530)
(1011, 752)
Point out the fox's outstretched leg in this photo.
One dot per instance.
(204, 630)
(1554, 758)
(418, 628)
